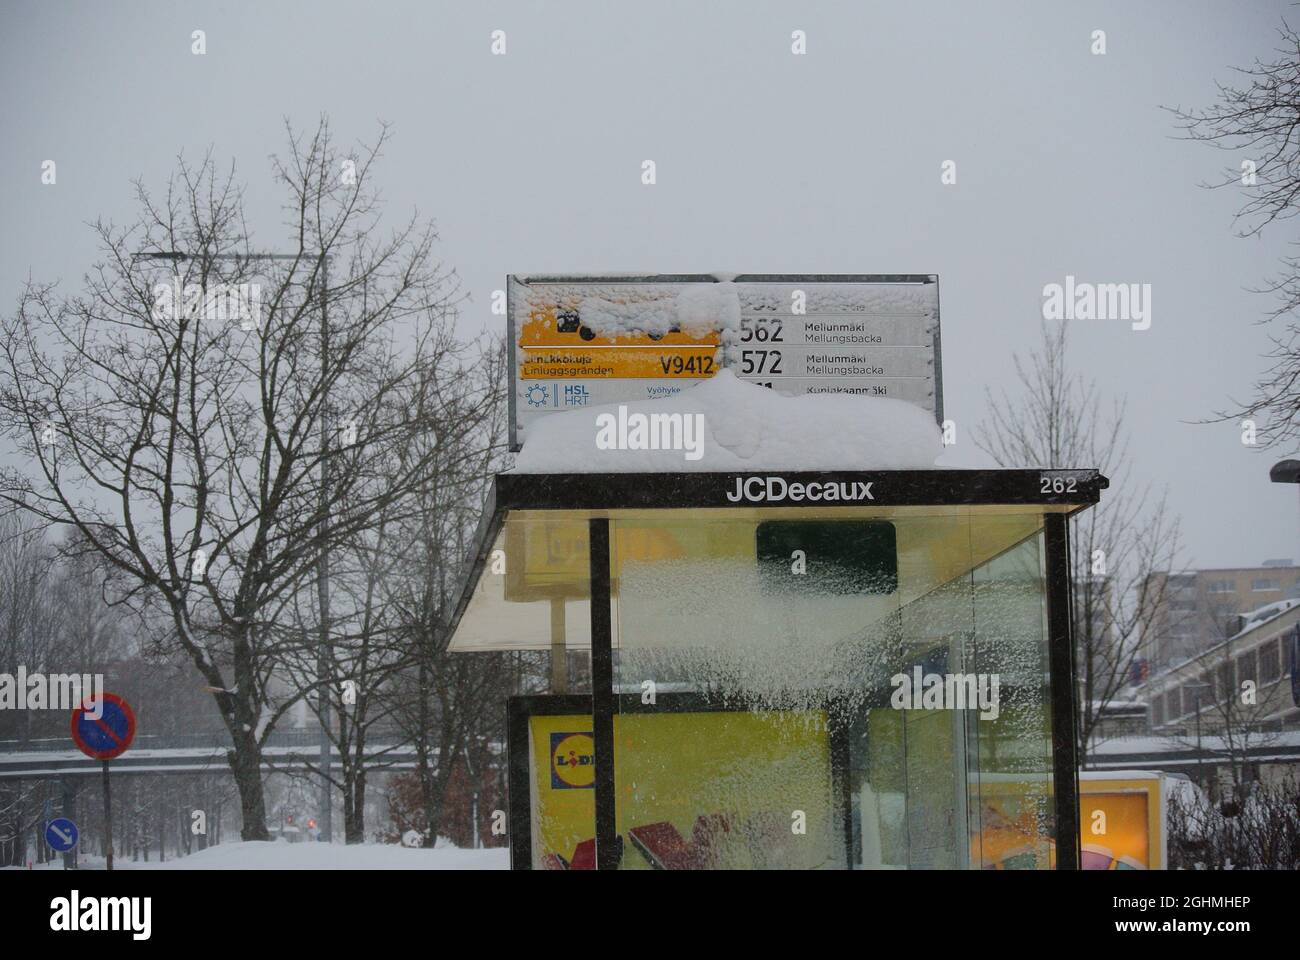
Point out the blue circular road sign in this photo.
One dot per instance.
(105, 728)
(61, 834)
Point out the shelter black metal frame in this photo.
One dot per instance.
(613, 492)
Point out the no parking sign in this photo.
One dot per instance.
(108, 735)
(102, 728)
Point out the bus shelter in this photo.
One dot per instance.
(822, 670)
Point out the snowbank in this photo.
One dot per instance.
(965, 456)
(255, 855)
(744, 428)
(274, 855)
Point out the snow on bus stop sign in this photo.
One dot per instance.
(105, 736)
(584, 341)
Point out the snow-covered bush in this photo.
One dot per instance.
(1256, 829)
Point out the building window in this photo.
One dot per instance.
(1157, 711)
(1221, 586)
(1173, 705)
(1226, 686)
(1270, 667)
(1265, 584)
(1246, 667)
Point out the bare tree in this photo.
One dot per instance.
(447, 703)
(1257, 119)
(1234, 713)
(371, 640)
(26, 623)
(202, 454)
(53, 621)
(27, 616)
(1118, 548)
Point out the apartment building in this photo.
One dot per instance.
(1198, 609)
(1245, 684)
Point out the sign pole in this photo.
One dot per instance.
(102, 734)
(69, 811)
(108, 817)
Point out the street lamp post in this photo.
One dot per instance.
(1285, 471)
(1200, 775)
(323, 656)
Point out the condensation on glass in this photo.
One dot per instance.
(823, 688)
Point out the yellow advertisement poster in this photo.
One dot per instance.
(1120, 824)
(727, 789)
(1119, 828)
(750, 790)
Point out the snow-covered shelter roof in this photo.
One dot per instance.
(736, 454)
(742, 426)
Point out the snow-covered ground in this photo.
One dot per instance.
(256, 855)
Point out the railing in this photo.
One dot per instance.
(209, 740)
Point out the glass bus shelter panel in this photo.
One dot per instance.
(1009, 755)
(533, 590)
(773, 687)
(531, 599)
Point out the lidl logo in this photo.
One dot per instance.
(573, 761)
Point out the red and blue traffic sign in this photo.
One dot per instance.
(107, 736)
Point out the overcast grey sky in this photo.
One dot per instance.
(767, 162)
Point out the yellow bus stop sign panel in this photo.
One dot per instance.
(552, 352)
